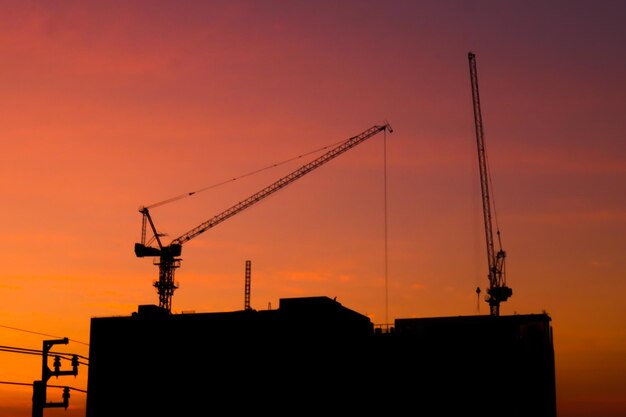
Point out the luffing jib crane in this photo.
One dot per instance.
(498, 291)
(169, 255)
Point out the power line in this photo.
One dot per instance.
(52, 386)
(42, 334)
(63, 355)
(65, 386)
(20, 350)
(16, 383)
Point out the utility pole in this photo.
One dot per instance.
(39, 387)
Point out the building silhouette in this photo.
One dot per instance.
(313, 355)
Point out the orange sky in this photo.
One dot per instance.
(108, 106)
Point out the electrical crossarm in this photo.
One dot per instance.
(168, 255)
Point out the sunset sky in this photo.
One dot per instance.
(107, 106)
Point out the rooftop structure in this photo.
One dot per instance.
(313, 354)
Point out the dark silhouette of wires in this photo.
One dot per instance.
(42, 334)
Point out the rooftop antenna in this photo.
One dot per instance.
(246, 305)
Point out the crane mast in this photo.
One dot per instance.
(498, 291)
(168, 255)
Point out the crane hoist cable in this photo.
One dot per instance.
(169, 254)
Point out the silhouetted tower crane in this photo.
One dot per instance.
(498, 291)
(168, 255)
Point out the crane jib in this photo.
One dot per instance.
(286, 180)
